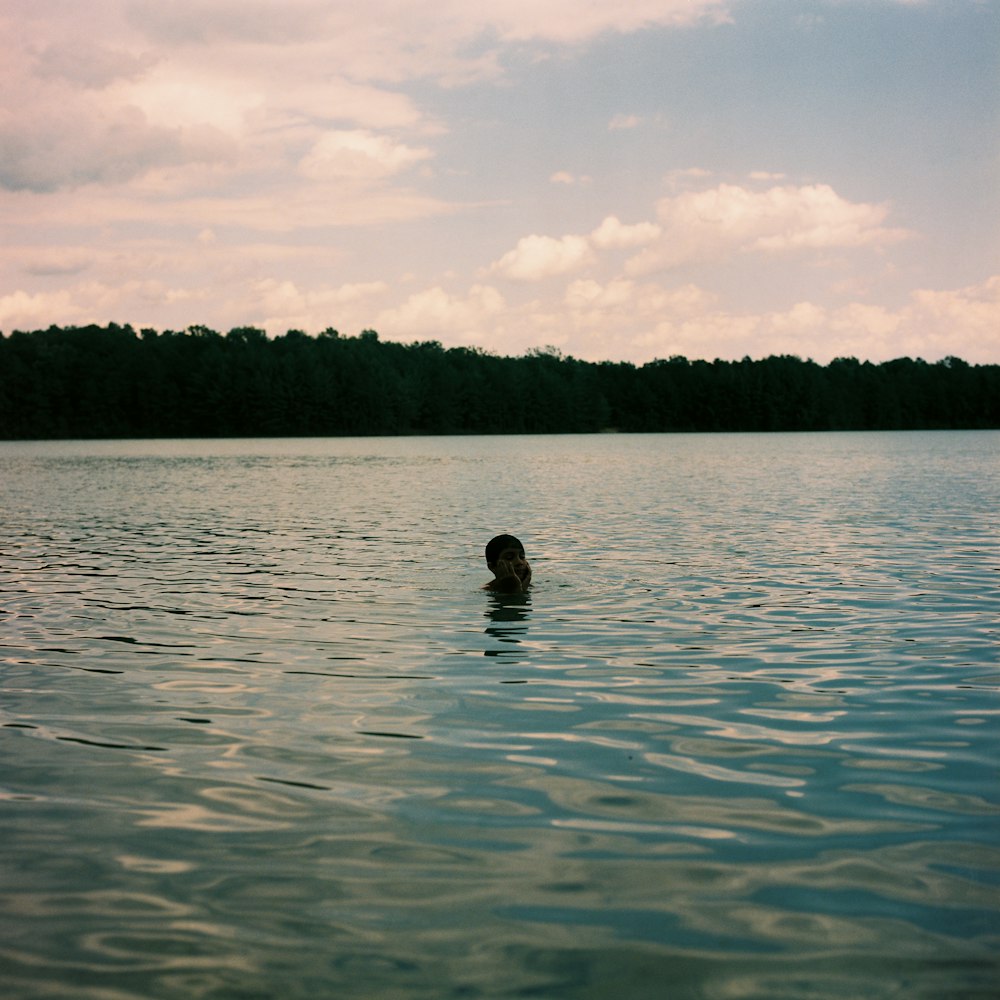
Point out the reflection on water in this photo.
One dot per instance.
(263, 734)
(508, 615)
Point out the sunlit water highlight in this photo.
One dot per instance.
(263, 736)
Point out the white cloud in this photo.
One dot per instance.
(623, 303)
(88, 302)
(358, 154)
(950, 318)
(174, 94)
(817, 217)
(439, 315)
(712, 224)
(131, 126)
(621, 318)
(613, 234)
(684, 175)
(319, 97)
(932, 325)
(537, 257)
(623, 121)
(390, 41)
(20, 310)
(172, 85)
(173, 201)
(631, 320)
(569, 179)
(586, 293)
(284, 305)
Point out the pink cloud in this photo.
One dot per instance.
(714, 223)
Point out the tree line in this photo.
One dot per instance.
(114, 382)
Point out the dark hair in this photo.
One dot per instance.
(496, 545)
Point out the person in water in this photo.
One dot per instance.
(511, 571)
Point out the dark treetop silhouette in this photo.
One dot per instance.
(114, 382)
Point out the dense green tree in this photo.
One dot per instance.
(109, 381)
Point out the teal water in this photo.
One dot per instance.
(262, 734)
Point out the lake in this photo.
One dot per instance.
(263, 735)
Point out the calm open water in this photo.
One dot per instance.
(263, 736)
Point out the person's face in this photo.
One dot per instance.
(514, 558)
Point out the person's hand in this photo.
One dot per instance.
(508, 575)
(505, 570)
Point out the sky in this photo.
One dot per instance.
(617, 180)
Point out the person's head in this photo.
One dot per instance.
(504, 553)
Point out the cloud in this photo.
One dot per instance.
(588, 294)
(945, 317)
(623, 121)
(260, 22)
(69, 121)
(105, 96)
(359, 154)
(330, 101)
(614, 316)
(613, 234)
(932, 325)
(712, 224)
(437, 314)
(538, 257)
(174, 95)
(574, 21)
(74, 144)
(45, 262)
(638, 320)
(621, 318)
(451, 41)
(131, 126)
(91, 66)
(565, 177)
(21, 310)
(683, 176)
(817, 217)
(264, 22)
(176, 205)
(284, 305)
(89, 302)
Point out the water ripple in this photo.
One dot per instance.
(264, 735)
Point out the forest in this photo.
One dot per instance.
(115, 382)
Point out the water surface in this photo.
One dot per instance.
(264, 736)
